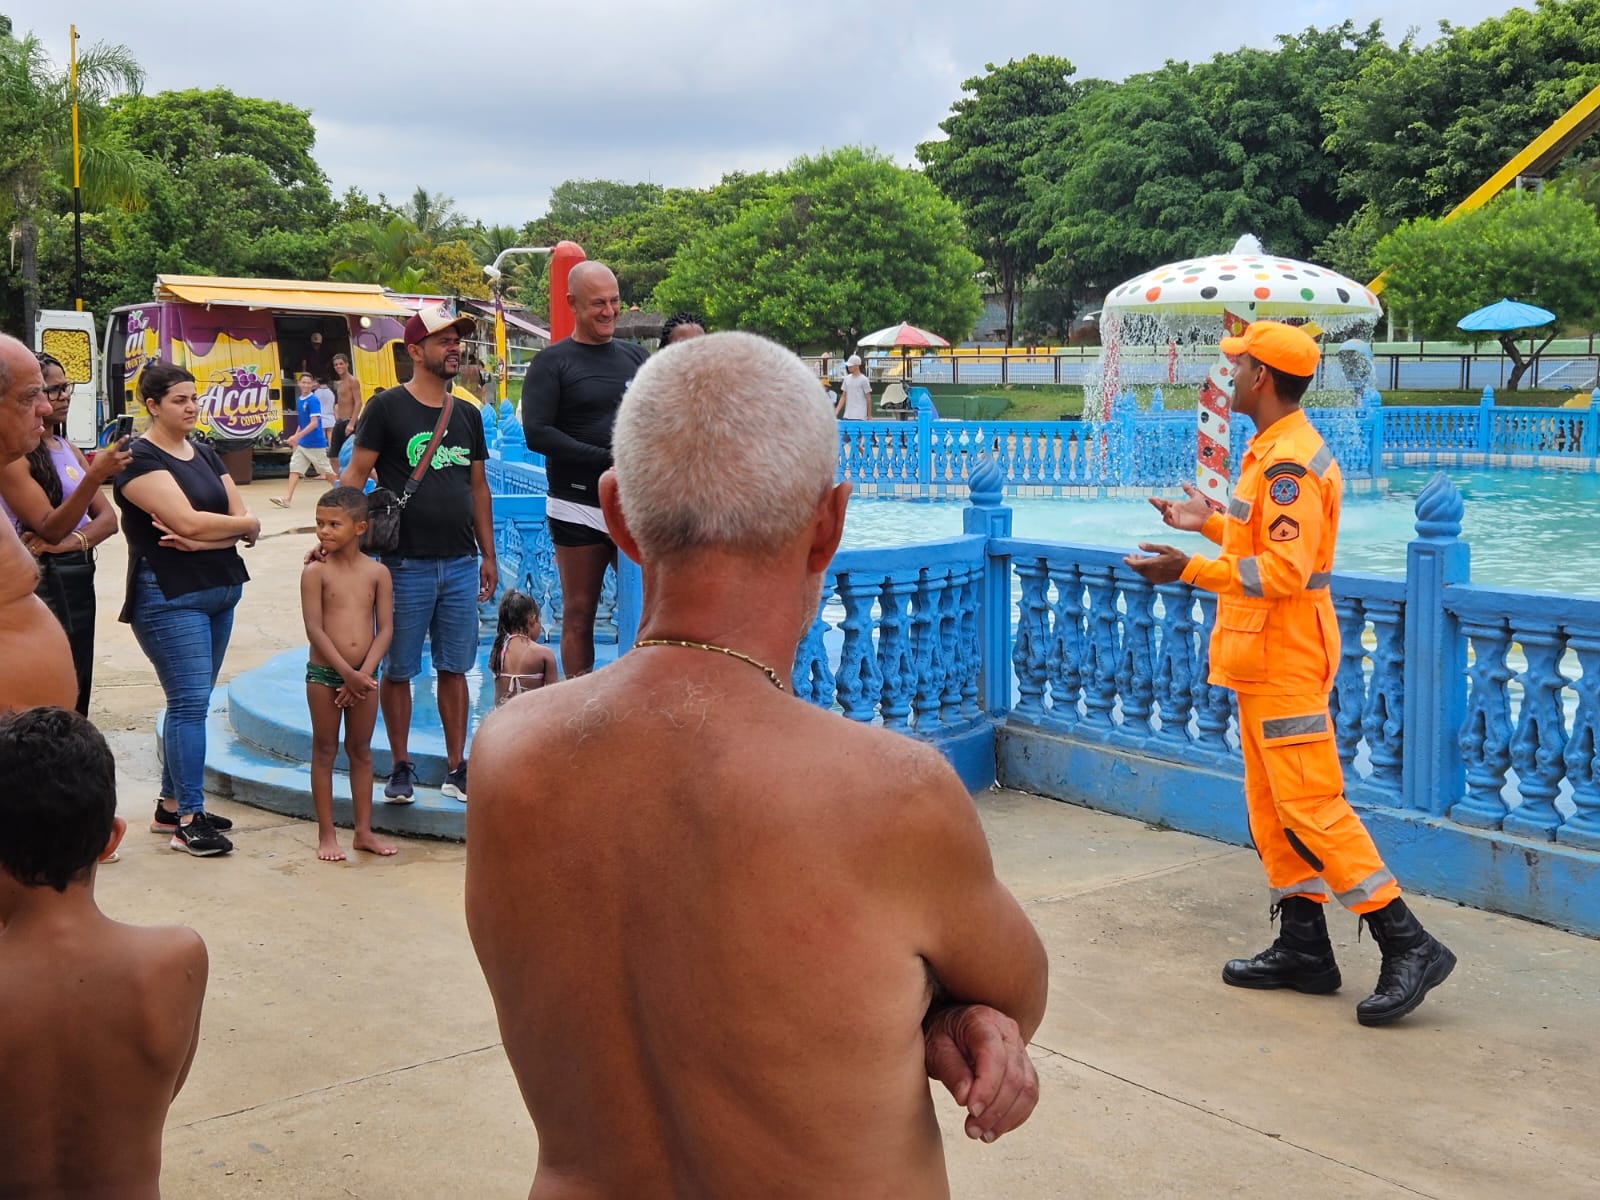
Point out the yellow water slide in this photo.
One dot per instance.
(1533, 161)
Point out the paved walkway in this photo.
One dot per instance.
(350, 1049)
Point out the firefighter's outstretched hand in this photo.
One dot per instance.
(1188, 514)
(1165, 564)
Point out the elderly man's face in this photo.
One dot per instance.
(595, 305)
(24, 407)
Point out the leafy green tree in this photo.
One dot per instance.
(1181, 161)
(449, 269)
(36, 144)
(841, 244)
(242, 194)
(990, 134)
(1420, 127)
(578, 205)
(1542, 250)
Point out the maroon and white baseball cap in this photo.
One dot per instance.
(432, 319)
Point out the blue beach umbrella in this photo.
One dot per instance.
(1503, 316)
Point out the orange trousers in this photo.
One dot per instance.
(1304, 829)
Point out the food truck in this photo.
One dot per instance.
(245, 341)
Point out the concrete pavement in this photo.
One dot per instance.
(349, 1046)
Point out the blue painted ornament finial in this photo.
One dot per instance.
(985, 484)
(1439, 509)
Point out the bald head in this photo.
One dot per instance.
(592, 292)
(24, 407)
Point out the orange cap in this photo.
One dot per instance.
(1290, 350)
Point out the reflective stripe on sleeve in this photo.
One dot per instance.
(1279, 727)
(1321, 461)
(1319, 579)
(1367, 888)
(1239, 509)
(1250, 576)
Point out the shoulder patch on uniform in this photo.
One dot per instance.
(1284, 529)
(1284, 468)
(1284, 491)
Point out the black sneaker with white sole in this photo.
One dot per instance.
(166, 820)
(401, 787)
(455, 783)
(200, 837)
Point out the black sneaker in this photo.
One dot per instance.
(200, 837)
(166, 821)
(455, 783)
(402, 783)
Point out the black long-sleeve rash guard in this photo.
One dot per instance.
(570, 398)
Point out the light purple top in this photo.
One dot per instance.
(68, 469)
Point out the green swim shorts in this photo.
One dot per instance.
(326, 676)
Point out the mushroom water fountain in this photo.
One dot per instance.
(1201, 300)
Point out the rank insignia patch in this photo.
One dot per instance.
(1285, 490)
(1284, 529)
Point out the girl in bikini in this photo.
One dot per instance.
(517, 659)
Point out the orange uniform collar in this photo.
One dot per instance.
(1266, 438)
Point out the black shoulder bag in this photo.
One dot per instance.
(384, 508)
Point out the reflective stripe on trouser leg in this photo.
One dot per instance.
(1287, 873)
(1288, 743)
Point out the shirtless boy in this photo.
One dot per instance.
(787, 921)
(101, 1019)
(346, 402)
(348, 604)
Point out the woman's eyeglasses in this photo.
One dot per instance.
(58, 391)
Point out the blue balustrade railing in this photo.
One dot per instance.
(1467, 717)
(1461, 433)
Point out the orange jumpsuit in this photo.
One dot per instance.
(1276, 645)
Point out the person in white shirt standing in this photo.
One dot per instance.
(855, 398)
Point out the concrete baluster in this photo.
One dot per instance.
(1029, 651)
(1485, 738)
(1582, 829)
(1435, 652)
(1065, 657)
(986, 516)
(1538, 748)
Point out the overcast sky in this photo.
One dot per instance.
(494, 102)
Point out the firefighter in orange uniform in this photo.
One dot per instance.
(1276, 645)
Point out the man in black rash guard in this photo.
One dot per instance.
(570, 398)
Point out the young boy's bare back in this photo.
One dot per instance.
(101, 1024)
(101, 1019)
(347, 600)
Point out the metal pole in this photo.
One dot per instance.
(77, 189)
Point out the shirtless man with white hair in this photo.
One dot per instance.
(33, 646)
(730, 935)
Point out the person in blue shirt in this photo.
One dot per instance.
(309, 440)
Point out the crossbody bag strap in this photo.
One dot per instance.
(421, 468)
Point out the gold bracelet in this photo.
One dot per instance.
(82, 540)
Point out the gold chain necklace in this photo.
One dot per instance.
(760, 666)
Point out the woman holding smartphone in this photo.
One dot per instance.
(182, 517)
(53, 498)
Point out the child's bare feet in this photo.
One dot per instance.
(328, 849)
(370, 843)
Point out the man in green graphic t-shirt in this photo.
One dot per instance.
(444, 564)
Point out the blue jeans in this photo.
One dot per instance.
(184, 639)
(435, 599)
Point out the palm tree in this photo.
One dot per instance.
(434, 214)
(392, 253)
(36, 140)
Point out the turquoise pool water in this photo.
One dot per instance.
(1527, 529)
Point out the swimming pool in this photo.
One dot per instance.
(1527, 529)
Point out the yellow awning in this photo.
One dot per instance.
(291, 295)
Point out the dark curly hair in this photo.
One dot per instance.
(518, 610)
(58, 796)
(675, 321)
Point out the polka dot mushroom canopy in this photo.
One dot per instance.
(1278, 287)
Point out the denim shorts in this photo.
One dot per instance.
(435, 600)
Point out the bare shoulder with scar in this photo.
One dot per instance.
(779, 895)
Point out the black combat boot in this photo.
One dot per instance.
(1301, 958)
(1413, 962)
